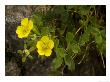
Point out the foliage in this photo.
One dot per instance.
(73, 29)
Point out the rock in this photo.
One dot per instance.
(12, 69)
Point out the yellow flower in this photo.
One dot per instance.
(25, 28)
(45, 46)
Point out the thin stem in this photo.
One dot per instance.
(74, 56)
(102, 60)
(85, 52)
(82, 58)
(78, 30)
(62, 69)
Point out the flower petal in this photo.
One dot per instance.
(48, 52)
(24, 22)
(39, 45)
(18, 30)
(45, 39)
(41, 52)
(20, 36)
(51, 44)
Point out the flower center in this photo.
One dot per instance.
(45, 46)
(25, 30)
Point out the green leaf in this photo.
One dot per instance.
(51, 29)
(20, 52)
(56, 43)
(27, 52)
(69, 62)
(95, 31)
(33, 37)
(85, 36)
(57, 62)
(35, 30)
(60, 52)
(83, 39)
(101, 45)
(59, 9)
(45, 31)
(95, 23)
(37, 19)
(32, 49)
(30, 43)
(29, 56)
(84, 10)
(23, 59)
(25, 46)
(98, 39)
(75, 48)
(69, 37)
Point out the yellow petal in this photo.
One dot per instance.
(45, 39)
(51, 44)
(40, 52)
(24, 22)
(18, 30)
(20, 36)
(48, 52)
(30, 24)
(39, 44)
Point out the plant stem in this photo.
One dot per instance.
(102, 60)
(78, 30)
(85, 52)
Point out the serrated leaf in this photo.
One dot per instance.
(69, 37)
(84, 37)
(35, 30)
(98, 39)
(60, 52)
(45, 31)
(75, 48)
(56, 43)
(69, 62)
(95, 31)
(57, 62)
(71, 66)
